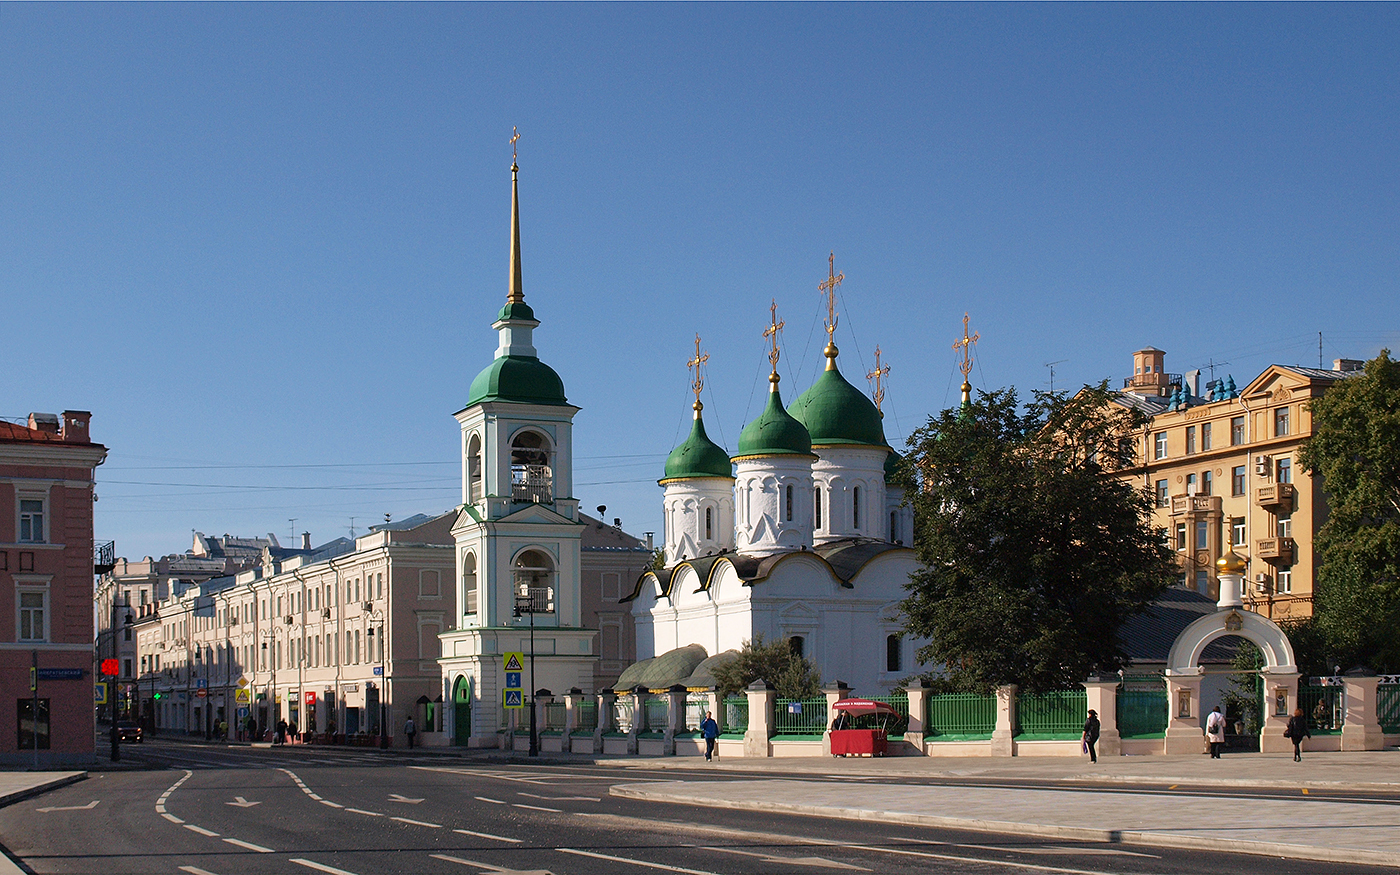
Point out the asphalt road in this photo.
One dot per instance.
(232, 811)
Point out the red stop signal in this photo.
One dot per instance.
(109, 667)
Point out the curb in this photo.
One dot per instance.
(27, 792)
(1079, 833)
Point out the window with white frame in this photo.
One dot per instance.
(1160, 445)
(1284, 584)
(31, 521)
(469, 587)
(33, 615)
(1237, 531)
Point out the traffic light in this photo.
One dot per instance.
(156, 696)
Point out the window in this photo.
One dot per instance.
(474, 492)
(1285, 471)
(1236, 430)
(1207, 482)
(1202, 534)
(1202, 582)
(817, 508)
(1281, 422)
(1285, 527)
(709, 524)
(1163, 498)
(893, 654)
(1205, 436)
(33, 615)
(1181, 536)
(1284, 583)
(379, 586)
(894, 527)
(855, 508)
(788, 495)
(1237, 480)
(1190, 484)
(469, 588)
(530, 475)
(534, 576)
(1237, 531)
(31, 520)
(1159, 441)
(1190, 439)
(797, 645)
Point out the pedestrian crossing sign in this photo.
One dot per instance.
(515, 662)
(515, 698)
(99, 694)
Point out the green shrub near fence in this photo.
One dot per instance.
(1388, 707)
(1055, 715)
(1323, 708)
(800, 717)
(960, 717)
(735, 713)
(1141, 713)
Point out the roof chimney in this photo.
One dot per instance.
(45, 422)
(1348, 365)
(306, 540)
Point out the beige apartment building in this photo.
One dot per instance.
(1222, 463)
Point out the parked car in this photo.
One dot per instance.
(128, 731)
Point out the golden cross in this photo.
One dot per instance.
(875, 375)
(772, 331)
(697, 382)
(514, 135)
(829, 285)
(965, 344)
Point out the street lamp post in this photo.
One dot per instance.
(377, 617)
(525, 604)
(270, 657)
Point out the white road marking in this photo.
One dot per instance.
(320, 867)
(362, 811)
(536, 807)
(240, 802)
(315, 796)
(172, 818)
(487, 835)
(249, 845)
(790, 861)
(88, 807)
(417, 822)
(394, 797)
(645, 863)
(562, 798)
(160, 808)
(331, 804)
(195, 870)
(201, 830)
(489, 868)
(485, 799)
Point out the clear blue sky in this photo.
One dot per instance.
(264, 244)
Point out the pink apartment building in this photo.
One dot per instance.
(46, 573)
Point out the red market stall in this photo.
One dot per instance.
(870, 740)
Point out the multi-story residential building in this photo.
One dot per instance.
(46, 569)
(1222, 464)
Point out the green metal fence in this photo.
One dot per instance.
(1053, 715)
(800, 717)
(736, 715)
(1388, 707)
(1323, 706)
(656, 710)
(554, 716)
(1142, 713)
(586, 717)
(899, 702)
(960, 717)
(696, 704)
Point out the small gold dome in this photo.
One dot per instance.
(1230, 563)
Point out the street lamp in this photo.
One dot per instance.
(378, 617)
(525, 604)
(270, 658)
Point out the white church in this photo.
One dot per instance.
(798, 536)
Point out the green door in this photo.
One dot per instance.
(462, 712)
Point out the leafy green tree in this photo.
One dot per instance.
(793, 676)
(1034, 550)
(1355, 446)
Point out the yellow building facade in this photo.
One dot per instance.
(1222, 465)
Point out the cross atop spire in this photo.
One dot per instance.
(965, 346)
(774, 326)
(876, 375)
(514, 137)
(697, 381)
(828, 286)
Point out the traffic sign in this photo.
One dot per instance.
(242, 696)
(515, 661)
(99, 694)
(514, 680)
(515, 698)
(201, 693)
(201, 683)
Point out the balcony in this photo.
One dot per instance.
(1277, 495)
(104, 557)
(1184, 504)
(1275, 551)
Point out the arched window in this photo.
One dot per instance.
(855, 508)
(709, 523)
(534, 577)
(894, 655)
(469, 587)
(530, 476)
(788, 494)
(894, 527)
(474, 492)
(817, 507)
(796, 644)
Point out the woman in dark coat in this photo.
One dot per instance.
(1297, 731)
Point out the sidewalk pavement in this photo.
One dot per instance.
(1088, 802)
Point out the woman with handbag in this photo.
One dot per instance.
(1297, 731)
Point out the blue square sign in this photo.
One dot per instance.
(513, 680)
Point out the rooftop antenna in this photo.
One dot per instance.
(1051, 366)
(352, 528)
(1213, 364)
(293, 521)
(1319, 350)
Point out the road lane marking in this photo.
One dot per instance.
(201, 830)
(362, 811)
(417, 822)
(488, 867)
(492, 801)
(240, 802)
(195, 870)
(394, 797)
(790, 861)
(1305, 791)
(1173, 787)
(320, 867)
(645, 863)
(562, 798)
(172, 818)
(487, 835)
(249, 846)
(88, 807)
(331, 804)
(536, 807)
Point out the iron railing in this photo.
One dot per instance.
(1388, 707)
(1057, 714)
(656, 710)
(586, 717)
(1142, 713)
(960, 717)
(736, 715)
(555, 715)
(1323, 706)
(800, 717)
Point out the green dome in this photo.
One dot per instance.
(697, 457)
(835, 412)
(774, 433)
(517, 378)
(516, 312)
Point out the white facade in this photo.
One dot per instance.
(699, 517)
(773, 495)
(850, 486)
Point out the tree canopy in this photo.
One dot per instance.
(1033, 552)
(792, 676)
(1355, 446)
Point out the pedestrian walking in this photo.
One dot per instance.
(1091, 735)
(1297, 731)
(709, 730)
(410, 730)
(280, 732)
(1215, 732)
(223, 730)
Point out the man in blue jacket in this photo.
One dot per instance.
(709, 729)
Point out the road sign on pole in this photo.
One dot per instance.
(515, 698)
(515, 661)
(99, 693)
